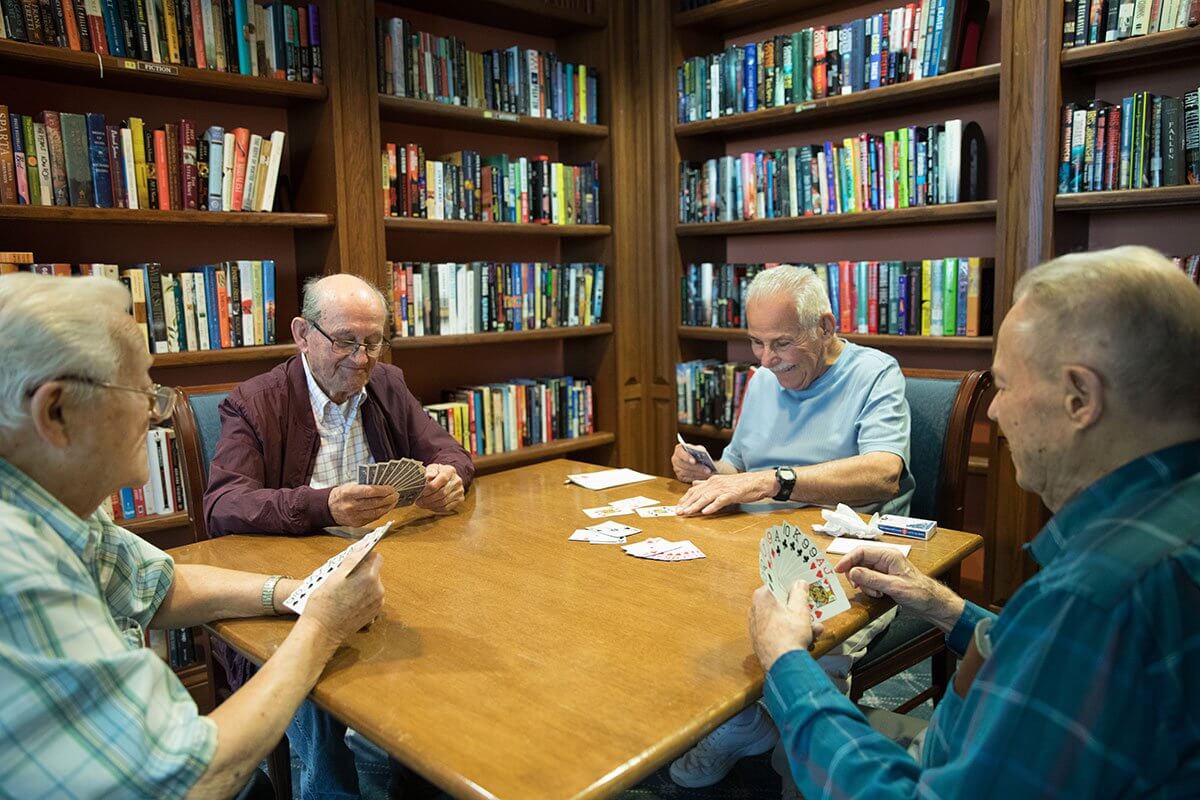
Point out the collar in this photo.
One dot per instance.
(1156, 470)
(22, 491)
(321, 401)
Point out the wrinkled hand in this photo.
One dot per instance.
(711, 495)
(356, 504)
(349, 598)
(776, 629)
(687, 469)
(443, 488)
(879, 571)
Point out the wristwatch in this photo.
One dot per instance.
(787, 481)
(267, 597)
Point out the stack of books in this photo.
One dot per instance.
(913, 166)
(931, 297)
(482, 296)
(272, 40)
(515, 80)
(906, 43)
(709, 392)
(163, 493)
(1143, 142)
(501, 417)
(1092, 21)
(65, 159)
(466, 186)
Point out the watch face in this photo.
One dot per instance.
(787, 473)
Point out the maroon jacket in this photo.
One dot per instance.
(258, 480)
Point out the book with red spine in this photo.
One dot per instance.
(188, 173)
(241, 147)
(161, 172)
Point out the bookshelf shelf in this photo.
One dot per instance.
(500, 337)
(229, 355)
(1181, 45)
(1162, 197)
(707, 432)
(975, 82)
(443, 115)
(110, 72)
(920, 215)
(541, 452)
(530, 16)
(725, 15)
(454, 226)
(158, 522)
(871, 340)
(125, 216)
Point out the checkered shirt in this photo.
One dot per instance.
(343, 443)
(86, 710)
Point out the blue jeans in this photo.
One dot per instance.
(336, 764)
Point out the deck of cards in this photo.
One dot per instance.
(786, 555)
(658, 549)
(297, 600)
(405, 475)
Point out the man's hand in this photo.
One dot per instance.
(712, 494)
(443, 488)
(349, 598)
(687, 469)
(356, 504)
(776, 629)
(880, 571)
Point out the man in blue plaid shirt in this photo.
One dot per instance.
(1088, 683)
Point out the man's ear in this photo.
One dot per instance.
(828, 325)
(48, 414)
(299, 330)
(1083, 395)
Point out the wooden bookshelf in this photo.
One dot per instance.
(444, 115)
(168, 80)
(542, 452)
(917, 215)
(126, 216)
(229, 355)
(737, 15)
(529, 16)
(978, 82)
(1122, 199)
(883, 341)
(143, 526)
(457, 226)
(706, 432)
(1174, 47)
(500, 337)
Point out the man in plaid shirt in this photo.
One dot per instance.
(1086, 684)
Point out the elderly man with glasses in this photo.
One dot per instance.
(286, 463)
(86, 709)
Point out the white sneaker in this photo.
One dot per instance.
(714, 756)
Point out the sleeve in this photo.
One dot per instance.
(83, 712)
(237, 500)
(884, 422)
(135, 576)
(1062, 702)
(959, 637)
(430, 443)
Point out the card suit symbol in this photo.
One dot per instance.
(818, 613)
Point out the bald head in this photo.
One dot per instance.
(342, 292)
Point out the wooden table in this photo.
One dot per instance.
(511, 663)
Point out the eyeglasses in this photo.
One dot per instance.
(162, 398)
(349, 347)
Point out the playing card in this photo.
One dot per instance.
(600, 512)
(844, 544)
(786, 555)
(683, 551)
(595, 537)
(632, 503)
(608, 478)
(658, 511)
(698, 452)
(298, 600)
(649, 547)
(614, 528)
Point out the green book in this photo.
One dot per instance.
(949, 295)
(32, 165)
(902, 200)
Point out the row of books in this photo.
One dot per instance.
(710, 392)
(480, 297)
(515, 80)
(1092, 21)
(180, 646)
(466, 186)
(913, 166)
(931, 297)
(65, 159)
(163, 492)
(501, 417)
(1145, 141)
(274, 40)
(906, 43)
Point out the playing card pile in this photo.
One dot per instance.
(298, 599)
(786, 555)
(406, 475)
(620, 508)
(657, 549)
(607, 532)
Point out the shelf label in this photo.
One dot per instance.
(502, 115)
(157, 69)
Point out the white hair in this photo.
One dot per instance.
(799, 283)
(315, 296)
(54, 327)
(1127, 312)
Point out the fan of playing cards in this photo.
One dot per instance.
(407, 475)
(298, 600)
(786, 555)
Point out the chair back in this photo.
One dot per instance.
(943, 406)
(198, 426)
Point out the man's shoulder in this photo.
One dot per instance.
(869, 362)
(28, 543)
(387, 379)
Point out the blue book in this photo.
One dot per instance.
(240, 22)
(568, 89)
(268, 292)
(831, 170)
(750, 78)
(769, 201)
(875, 174)
(210, 301)
(862, 290)
(893, 269)
(935, 53)
(849, 202)
(859, 54)
(518, 290)
(937, 298)
(98, 158)
(960, 307)
(591, 100)
(598, 293)
(902, 303)
(835, 304)
(1126, 139)
(128, 509)
(113, 30)
(215, 136)
(876, 34)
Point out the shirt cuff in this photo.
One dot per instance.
(959, 637)
(794, 678)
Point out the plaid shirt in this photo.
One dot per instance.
(85, 709)
(1093, 685)
(343, 444)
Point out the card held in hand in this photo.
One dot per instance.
(699, 453)
(787, 555)
(298, 600)
(405, 475)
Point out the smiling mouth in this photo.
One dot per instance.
(781, 370)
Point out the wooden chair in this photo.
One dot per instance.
(198, 427)
(943, 406)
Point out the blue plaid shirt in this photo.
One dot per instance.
(1093, 685)
(85, 709)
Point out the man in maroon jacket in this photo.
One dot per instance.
(286, 463)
